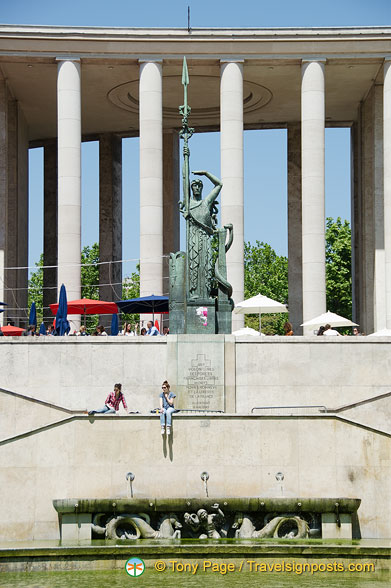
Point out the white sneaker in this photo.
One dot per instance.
(163, 430)
(168, 430)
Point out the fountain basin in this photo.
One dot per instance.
(244, 517)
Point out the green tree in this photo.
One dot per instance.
(339, 267)
(90, 281)
(90, 272)
(89, 286)
(35, 289)
(265, 273)
(131, 289)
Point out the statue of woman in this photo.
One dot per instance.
(201, 227)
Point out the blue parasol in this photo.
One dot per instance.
(147, 304)
(42, 329)
(114, 325)
(33, 315)
(62, 324)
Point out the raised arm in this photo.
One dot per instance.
(211, 197)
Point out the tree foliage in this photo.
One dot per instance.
(339, 267)
(131, 289)
(89, 286)
(35, 290)
(265, 273)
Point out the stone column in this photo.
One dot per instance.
(16, 255)
(387, 184)
(232, 205)
(356, 216)
(295, 262)
(50, 235)
(313, 189)
(379, 309)
(369, 229)
(151, 178)
(3, 186)
(69, 177)
(171, 197)
(11, 249)
(23, 210)
(110, 220)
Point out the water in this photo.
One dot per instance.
(152, 579)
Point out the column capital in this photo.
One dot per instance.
(232, 60)
(152, 60)
(68, 58)
(314, 60)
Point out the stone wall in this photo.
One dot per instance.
(89, 458)
(47, 451)
(78, 372)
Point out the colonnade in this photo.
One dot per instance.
(159, 192)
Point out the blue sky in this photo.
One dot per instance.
(265, 151)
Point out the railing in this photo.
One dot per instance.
(320, 406)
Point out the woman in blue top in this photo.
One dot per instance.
(166, 407)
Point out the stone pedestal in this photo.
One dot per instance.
(224, 317)
(76, 527)
(200, 312)
(330, 529)
(196, 371)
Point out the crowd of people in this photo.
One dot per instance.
(166, 405)
(325, 331)
(129, 330)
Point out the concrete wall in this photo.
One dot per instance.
(46, 452)
(78, 372)
(89, 458)
(298, 371)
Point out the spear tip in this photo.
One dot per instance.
(185, 73)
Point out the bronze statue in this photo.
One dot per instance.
(198, 289)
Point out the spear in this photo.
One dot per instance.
(186, 133)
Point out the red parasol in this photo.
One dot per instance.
(88, 306)
(11, 331)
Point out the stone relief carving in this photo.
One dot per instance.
(206, 523)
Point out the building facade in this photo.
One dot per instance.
(60, 86)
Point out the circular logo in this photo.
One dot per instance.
(134, 566)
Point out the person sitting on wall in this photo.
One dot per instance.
(329, 332)
(112, 402)
(151, 329)
(166, 400)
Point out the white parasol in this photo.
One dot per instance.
(381, 333)
(260, 304)
(245, 332)
(329, 318)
